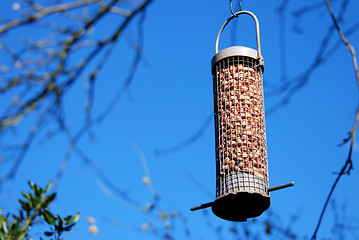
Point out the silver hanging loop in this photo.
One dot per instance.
(259, 51)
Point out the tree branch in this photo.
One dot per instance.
(42, 12)
(348, 165)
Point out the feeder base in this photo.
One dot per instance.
(240, 206)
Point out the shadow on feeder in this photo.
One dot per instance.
(242, 189)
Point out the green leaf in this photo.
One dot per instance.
(59, 228)
(24, 205)
(49, 234)
(26, 195)
(68, 228)
(49, 199)
(3, 236)
(15, 228)
(20, 234)
(31, 202)
(32, 185)
(72, 219)
(23, 234)
(49, 217)
(21, 214)
(4, 227)
(66, 219)
(48, 186)
(17, 218)
(52, 215)
(38, 191)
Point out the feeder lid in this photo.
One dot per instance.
(237, 51)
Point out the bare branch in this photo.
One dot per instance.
(188, 141)
(23, 149)
(42, 12)
(51, 87)
(73, 140)
(291, 86)
(348, 166)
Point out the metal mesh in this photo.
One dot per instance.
(241, 151)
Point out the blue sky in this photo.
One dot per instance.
(169, 100)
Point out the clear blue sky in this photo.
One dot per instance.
(170, 99)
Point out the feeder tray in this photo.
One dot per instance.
(242, 189)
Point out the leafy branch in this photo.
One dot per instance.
(35, 204)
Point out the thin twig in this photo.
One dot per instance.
(73, 140)
(24, 148)
(72, 74)
(63, 56)
(292, 86)
(44, 12)
(146, 170)
(188, 141)
(348, 166)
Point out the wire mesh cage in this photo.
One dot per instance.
(242, 184)
(241, 151)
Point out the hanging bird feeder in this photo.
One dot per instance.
(242, 186)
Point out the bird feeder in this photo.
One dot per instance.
(242, 186)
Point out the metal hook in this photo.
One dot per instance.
(231, 7)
